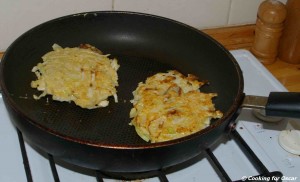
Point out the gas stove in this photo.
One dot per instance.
(227, 160)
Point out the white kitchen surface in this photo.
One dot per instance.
(261, 137)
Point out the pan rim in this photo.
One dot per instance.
(231, 111)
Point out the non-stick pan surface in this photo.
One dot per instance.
(143, 45)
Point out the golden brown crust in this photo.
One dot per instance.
(79, 74)
(92, 48)
(169, 106)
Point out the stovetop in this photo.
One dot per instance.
(262, 137)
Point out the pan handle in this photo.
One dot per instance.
(283, 104)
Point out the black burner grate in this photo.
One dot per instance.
(162, 174)
(264, 172)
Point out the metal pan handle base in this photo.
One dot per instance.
(282, 104)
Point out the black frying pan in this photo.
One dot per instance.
(144, 45)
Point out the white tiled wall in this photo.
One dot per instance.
(198, 13)
(17, 16)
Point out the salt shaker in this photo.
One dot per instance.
(269, 26)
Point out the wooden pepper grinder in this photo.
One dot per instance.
(269, 25)
(289, 45)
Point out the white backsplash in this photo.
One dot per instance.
(18, 16)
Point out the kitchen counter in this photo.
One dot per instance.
(242, 37)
